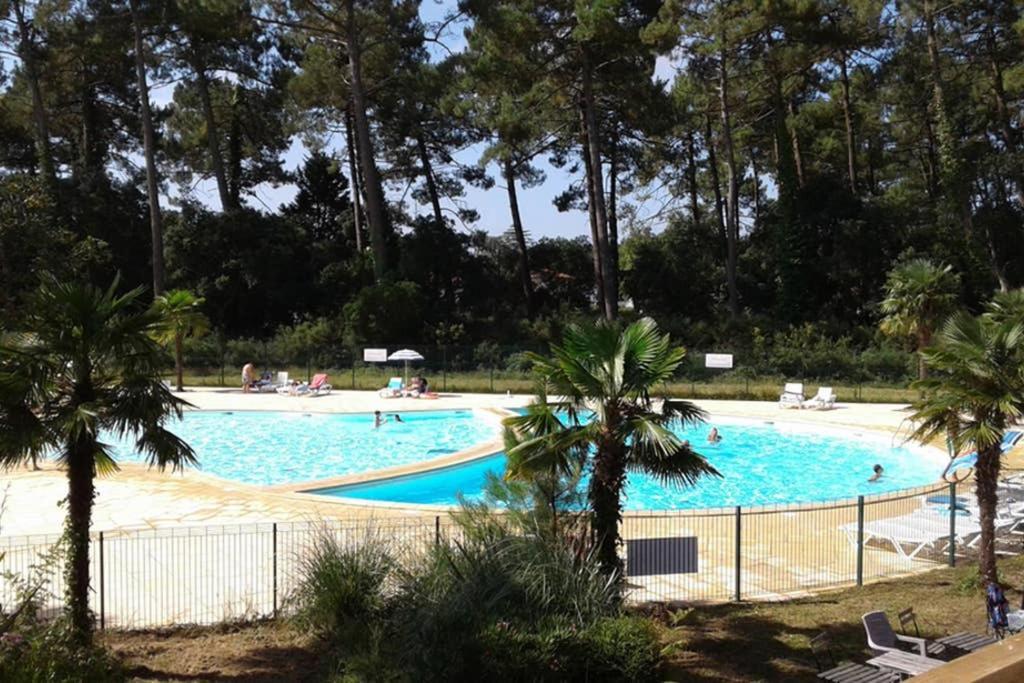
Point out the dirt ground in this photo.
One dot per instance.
(725, 642)
(249, 653)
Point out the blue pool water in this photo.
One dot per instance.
(761, 464)
(270, 448)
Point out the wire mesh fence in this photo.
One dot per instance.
(493, 368)
(204, 575)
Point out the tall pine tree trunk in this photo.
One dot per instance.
(156, 227)
(613, 204)
(595, 248)
(691, 177)
(851, 146)
(376, 212)
(716, 184)
(732, 187)
(428, 176)
(354, 182)
(40, 119)
(212, 133)
(610, 294)
(517, 228)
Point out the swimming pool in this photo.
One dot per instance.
(271, 448)
(761, 464)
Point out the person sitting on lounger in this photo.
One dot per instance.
(714, 436)
(877, 475)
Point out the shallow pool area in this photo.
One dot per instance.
(761, 464)
(273, 448)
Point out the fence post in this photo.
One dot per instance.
(273, 553)
(860, 540)
(103, 592)
(492, 380)
(353, 373)
(444, 368)
(437, 530)
(952, 524)
(739, 525)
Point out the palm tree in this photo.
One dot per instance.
(85, 367)
(182, 318)
(919, 295)
(977, 393)
(552, 473)
(604, 375)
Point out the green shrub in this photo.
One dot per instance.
(342, 592)
(40, 653)
(891, 365)
(609, 649)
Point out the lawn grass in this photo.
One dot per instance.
(502, 381)
(771, 641)
(754, 641)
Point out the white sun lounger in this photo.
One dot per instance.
(792, 395)
(825, 399)
(917, 530)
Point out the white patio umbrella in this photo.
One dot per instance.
(405, 355)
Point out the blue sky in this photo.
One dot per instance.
(540, 217)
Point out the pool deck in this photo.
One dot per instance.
(137, 497)
(189, 538)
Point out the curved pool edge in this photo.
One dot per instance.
(309, 490)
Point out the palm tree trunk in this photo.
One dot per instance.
(605, 495)
(923, 339)
(986, 480)
(517, 228)
(375, 209)
(179, 363)
(149, 144)
(81, 492)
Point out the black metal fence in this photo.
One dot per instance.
(150, 578)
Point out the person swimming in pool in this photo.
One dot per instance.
(379, 419)
(714, 436)
(879, 470)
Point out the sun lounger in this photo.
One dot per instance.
(394, 389)
(918, 530)
(825, 399)
(319, 385)
(316, 387)
(792, 395)
(1010, 439)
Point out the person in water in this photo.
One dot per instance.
(714, 436)
(379, 419)
(878, 473)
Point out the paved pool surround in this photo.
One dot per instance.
(138, 497)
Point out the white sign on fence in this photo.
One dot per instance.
(375, 355)
(718, 360)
